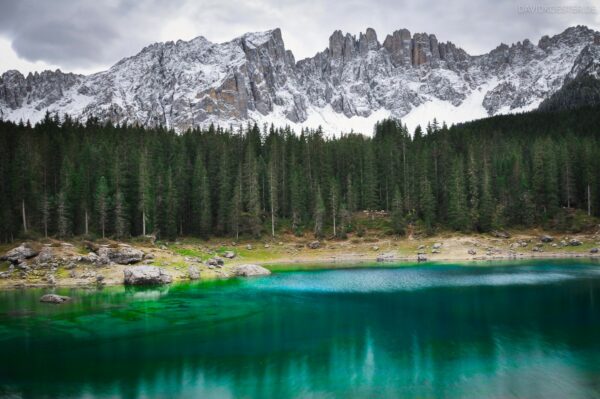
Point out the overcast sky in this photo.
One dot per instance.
(90, 35)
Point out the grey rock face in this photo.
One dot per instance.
(250, 270)
(20, 253)
(183, 85)
(145, 275)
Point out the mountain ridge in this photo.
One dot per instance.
(351, 84)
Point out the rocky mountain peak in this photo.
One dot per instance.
(356, 79)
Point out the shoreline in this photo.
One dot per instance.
(288, 254)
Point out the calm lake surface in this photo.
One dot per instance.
(530, 330)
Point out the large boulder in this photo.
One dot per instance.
(20, 253)
(123, 254)
(546, 238)
(250, 270)
(193, 272)
(146, 275)
(501, 234)
(53, 298)
(314, 245)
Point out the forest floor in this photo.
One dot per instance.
(288, 252)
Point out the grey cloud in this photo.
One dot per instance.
(79, 33)
(94, 34)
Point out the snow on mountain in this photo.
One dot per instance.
(349, 86)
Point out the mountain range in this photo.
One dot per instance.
(354, 82)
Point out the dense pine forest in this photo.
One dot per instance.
(62, 178)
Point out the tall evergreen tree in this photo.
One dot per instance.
(102, 204)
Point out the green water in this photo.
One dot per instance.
(442, 331)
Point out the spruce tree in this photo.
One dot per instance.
(319, 214)
(102, 205)
(121, 220)
(63, 221)
(397, 216)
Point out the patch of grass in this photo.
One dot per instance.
(62, 273)
(4, 266)
(189, 252)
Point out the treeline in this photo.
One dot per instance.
(63, 178)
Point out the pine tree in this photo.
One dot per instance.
(224, 180)
(171, 207)
(63, 220)
(486, 206)
(236, 205)
(426, 204)
(45, 209)
(398, 221)
(201, 204)
(319, 214)
(473, 193)
(102, 204)
(457, 201)
(144, 192)
(251, 190)
(121, 221)
(369, 180)
(273, 187)
(334, 203)
(297, 201)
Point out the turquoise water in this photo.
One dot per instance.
(443, 331)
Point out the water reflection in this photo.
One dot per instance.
(315, 335)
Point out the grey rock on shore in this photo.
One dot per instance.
(123, 255)
(20, 253)
(146, 275)
(250, 270)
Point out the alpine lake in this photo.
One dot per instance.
(474, 330)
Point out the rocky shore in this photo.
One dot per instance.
(85, 263)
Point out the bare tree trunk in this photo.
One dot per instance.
(143, 222)
(272, 221)
(24, 216)
(86, 223)
(334, 227)
(589, 200)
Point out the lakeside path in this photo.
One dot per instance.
(67, 262)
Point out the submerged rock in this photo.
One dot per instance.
(249, 270)
(146, 275)
(53, 298)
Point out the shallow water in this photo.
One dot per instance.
(527, 331)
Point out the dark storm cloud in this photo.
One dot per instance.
(94, 34)
(79, 33)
